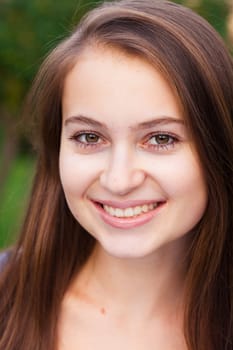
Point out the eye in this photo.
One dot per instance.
(161, 139)
(88, 138)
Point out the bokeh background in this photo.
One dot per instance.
(29, 29)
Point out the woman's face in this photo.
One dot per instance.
(129, 170)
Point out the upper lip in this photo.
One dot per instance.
(127, 203)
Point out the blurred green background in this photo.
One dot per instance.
(29, 30)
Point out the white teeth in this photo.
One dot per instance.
(137, 210)
(145, 208)
(111, 211)
(129, 212)
(119, 213)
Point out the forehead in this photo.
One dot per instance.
(108, 84)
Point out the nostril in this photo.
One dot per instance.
(123, 181)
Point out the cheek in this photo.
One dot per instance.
(181, 176)
(68, 171)
(181, 180)
(77, 172)
(189, 192)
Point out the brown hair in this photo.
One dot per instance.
(53, 247)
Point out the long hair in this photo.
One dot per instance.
(52, 246)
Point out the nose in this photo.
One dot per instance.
(121, 175)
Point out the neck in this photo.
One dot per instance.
(147, 286)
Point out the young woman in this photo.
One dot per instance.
(127, 242)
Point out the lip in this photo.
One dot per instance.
(127, 223)
(127, 204)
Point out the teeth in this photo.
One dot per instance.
(145, 208)
(137, 210)
(129, 212)
(118, 212)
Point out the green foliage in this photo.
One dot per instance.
(28, 30)
(14, 199)
(215, 12)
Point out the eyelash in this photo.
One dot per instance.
(173, 139)
(86, 144)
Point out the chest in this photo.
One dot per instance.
(100, 332)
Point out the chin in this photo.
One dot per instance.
(125, 251)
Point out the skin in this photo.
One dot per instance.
(124, 143)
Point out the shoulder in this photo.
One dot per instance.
(4, 256)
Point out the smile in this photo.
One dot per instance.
(131, 211)
(128, 215)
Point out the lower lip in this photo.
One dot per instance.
(126, 223)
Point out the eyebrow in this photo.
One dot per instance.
(162, 120)
(84, 120)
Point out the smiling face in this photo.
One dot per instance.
(128, 167)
